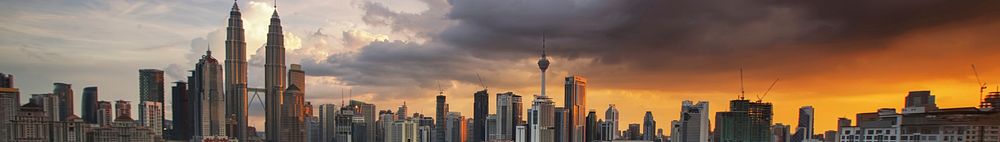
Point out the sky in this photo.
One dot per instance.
(841, 57)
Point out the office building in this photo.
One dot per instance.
(274, 78)
(64, 93)
(293, 128)
(480, 110)
(505, 112)
(693, 122)
(236, 74)
(633, 132)
(31, 124)
(365, 113)
(611, 131)
(919, 102)
(104, 113)
(576, 104)
(592, 126)
(151, 90)
(328, 122)
(123, 109)
(74, 129)
(10, 102)
(183, 119)
(648, 127)
(441, 111)
(50, 105)
(781, 132)
(561, 125)
(456, 127)
(152, 117)
(804, 131)
(206, 87)
(88, 105)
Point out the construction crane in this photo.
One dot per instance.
(761, 97)
(982, 86)
(742, 93)
(481, 82)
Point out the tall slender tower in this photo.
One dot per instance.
(541, 117)
(274, 76)
(236, 74)
(575, 104)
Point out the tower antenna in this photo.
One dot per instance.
(982, 86)
(761, 98)
(742, 92)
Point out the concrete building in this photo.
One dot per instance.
(274, 78)
(456, 127)
(182, 110)
(441, 110)
(124, 129)
(480, 110)
(505, 112)
(593, 130)
(152, 117)
(576, 105)
(328, 122)
(10, 102)
(31, 124)
(560, 125)
(922, 121)
(104, 113)
(50, 105)
(366, 113)
(123, 109)
(634, 132)
(745, 121)
(919, 102)
(236, 75)
(74, 129)
(781, 132)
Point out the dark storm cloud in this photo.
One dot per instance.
(659, 36)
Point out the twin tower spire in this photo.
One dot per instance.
(236, 75)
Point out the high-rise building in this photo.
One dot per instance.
(633, 132)
(441, 110)
(804, 130)
(480, 110)
(401, 112)
(648, 127)
(344, 131)
(89, 105)
(517, 115)
(781, 132)
(314, 127)
(104, 113)
(123, 108)
(561, 124)
(293, 128)
(491, 127)
(919, 102)
(50, 105)
(745, 121)
(71, 130)
(209, 104)
(328, 122)
(592, 126)
(150, 90)
(236, 74)
(10, 102)
(297, 77)
(152, 117)
(365, 113)
(611, 121)
(505, 116)
(991, 101)
(31, 124)
(694, 124)
(402, 131)
(183, 119)
(576, 104)
(456, 128)
(64, 93)
(274, 77)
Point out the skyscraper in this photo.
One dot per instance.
(576, 104)
(694, 124)
(441, 110)
(293, 126)
(561, 129)
(328, 122)
(64, 93)
(366, 113)
(804, 130)
(10, 102)
(481, 106)
(89, 104)
(611, 120)
(781, 132)
(633, 132)
(274, 76)
(648, 127)
(745, 121)
(50, 105)
(592, 126)
(210, 106)
(505, 116)
(236, 74)
(183, 119)
(456, 128)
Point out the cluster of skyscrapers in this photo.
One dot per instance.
(212, 104)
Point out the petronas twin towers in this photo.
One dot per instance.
(236, 76)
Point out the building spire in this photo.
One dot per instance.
(208, 51)
(543, 45)
(235, 6)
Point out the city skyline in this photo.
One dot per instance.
(890, 68)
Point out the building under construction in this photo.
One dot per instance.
(745, 121)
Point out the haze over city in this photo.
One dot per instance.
(840, 57)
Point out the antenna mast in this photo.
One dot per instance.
(742, 93)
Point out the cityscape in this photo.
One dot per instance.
(412, 78)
